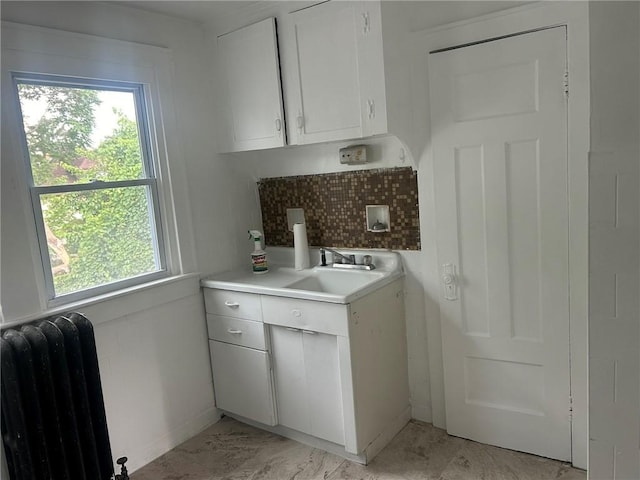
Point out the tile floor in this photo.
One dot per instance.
(230, 450)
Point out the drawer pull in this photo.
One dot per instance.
(309, 332)
(234, 332)
(231, 304)
(291, 329)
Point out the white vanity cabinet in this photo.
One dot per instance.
(238, 344)
(332, 375)
(333, 72)
(252, 106)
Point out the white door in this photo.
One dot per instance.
(499, 129)
(250, 67)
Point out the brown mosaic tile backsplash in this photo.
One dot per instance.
(334, 208)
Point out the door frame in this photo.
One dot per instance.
(575, 16)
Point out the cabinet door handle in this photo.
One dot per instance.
(309, 332)
(291, 329)
(300, 121)
(234, 332)
(278, 125)
(231, 304)
(372, 108)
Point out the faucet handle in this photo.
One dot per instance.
(352, 259)
(367, 260)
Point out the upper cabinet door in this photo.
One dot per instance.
(333, 69)
(253, 107)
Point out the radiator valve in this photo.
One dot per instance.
(123, 475)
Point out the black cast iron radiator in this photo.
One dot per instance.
(53, 419)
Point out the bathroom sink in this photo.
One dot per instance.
(335, 282)
(324, 284)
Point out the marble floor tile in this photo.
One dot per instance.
(230, 450)
(479, 461)
(354, 471)
(419, 452)
(232, 444)
(298, 462)
(173, 466)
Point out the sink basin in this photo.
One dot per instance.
(335, 282)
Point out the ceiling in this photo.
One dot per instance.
(214, 11)
(202, 11)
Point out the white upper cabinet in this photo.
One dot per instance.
(333, 72)
(253, 115)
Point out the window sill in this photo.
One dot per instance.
(120, 303)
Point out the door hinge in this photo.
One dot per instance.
(366, 23)
(565, 83)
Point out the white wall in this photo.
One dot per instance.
(152, 344)
(614, 310)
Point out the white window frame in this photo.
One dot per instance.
(45, 51)
(148, 180)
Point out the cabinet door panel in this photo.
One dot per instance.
(328, 65)
(290, 379)
(249, 60)
(323, 80)
(307, 379)
(323, 386)
(242, 381)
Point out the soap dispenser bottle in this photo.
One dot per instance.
(258, 256)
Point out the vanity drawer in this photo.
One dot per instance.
(233, 304)
(320, 317)
(246, 333)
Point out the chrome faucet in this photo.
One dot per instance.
(348, 261)
(351, 259)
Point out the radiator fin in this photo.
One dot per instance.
(53, 418)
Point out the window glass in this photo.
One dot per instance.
(92, 185)
(78, 135)
(96, 237)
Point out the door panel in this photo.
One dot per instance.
(499, 131)
(249, 394)
(316, 52)
(491, 93)
(254, 114)
(322, 48)
(290, 378)
(323, 384)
